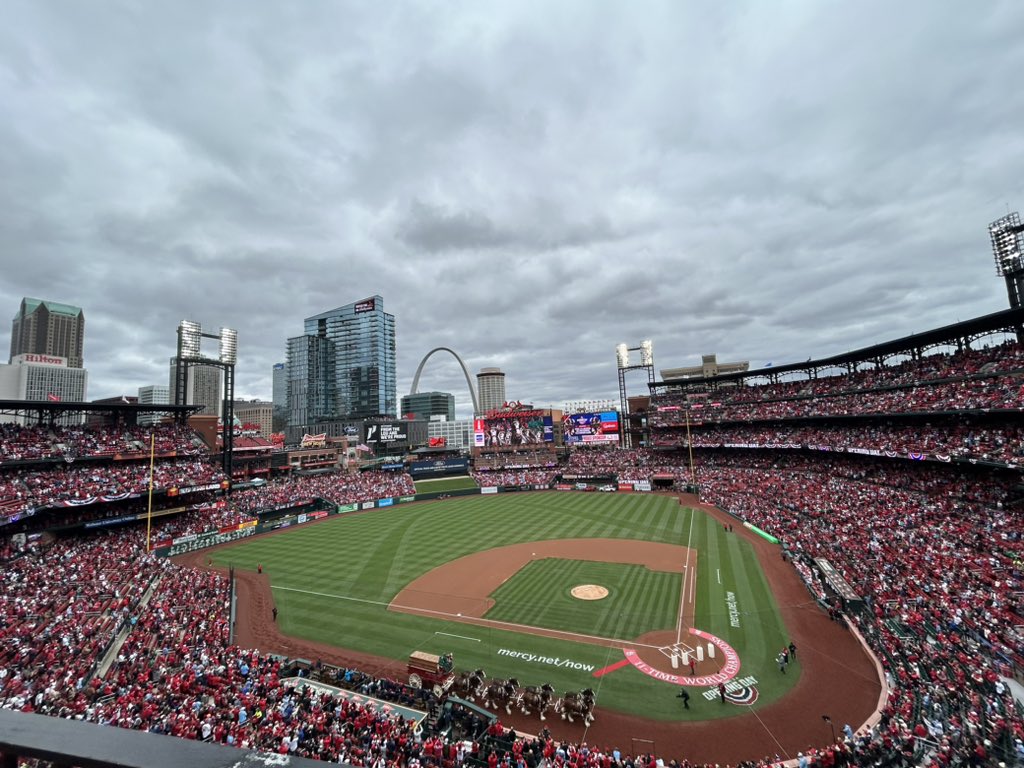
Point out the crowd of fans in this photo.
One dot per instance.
(93, 627)
(968, 380)
(37, 443)
(336, 487)
(605, 461)
(985, 441)
(535, 458)
(517, 478)
(33, 488)
(936, 556)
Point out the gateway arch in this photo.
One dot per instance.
(453, 353)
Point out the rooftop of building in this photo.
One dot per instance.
(31, 305)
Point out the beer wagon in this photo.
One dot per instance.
(428, 670)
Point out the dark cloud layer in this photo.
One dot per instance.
(529, 184)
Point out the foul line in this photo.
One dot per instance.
(767, 730)
(526, 629)
(461, 637)
(686, 574)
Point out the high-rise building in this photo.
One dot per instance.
(310, 383)
(279, 397)
(456, 434)
(205, 387)
(48, 328)
(279, 394)
(153, 394)
(363, 339)
(490, 388)
(31, 376)
(256, 412)
(426, 404)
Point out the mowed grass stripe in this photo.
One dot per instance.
(639, 601)
(374, 555)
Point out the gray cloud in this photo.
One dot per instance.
(528, 184)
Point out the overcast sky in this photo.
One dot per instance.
(528, 183)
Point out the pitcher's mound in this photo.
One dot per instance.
(589, 592)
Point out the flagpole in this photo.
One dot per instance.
(149, 510)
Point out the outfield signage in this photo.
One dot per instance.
(439, 467)
(347, 508)
(552, 661)
(733, 609)
(489, 489)
(112, 521)
(367, 505)
(407, 498)
(208, 539)
(385, 502)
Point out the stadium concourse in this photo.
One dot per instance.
(905, 478)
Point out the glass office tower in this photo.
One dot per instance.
(363, 339)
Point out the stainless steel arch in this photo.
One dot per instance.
(453, 353)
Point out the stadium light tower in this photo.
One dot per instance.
(190, 339)
(622, 358)
(1007, 236)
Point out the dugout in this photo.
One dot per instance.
(461, 719)
(851, 599)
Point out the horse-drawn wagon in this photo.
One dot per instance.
(428, 670)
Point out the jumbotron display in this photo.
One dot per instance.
(589, 428)
(514, 429)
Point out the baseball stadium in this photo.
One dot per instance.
(809, 564)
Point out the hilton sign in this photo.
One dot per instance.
(34, 359)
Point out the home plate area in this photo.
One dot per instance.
(680, 654)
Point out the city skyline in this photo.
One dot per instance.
(527, 185)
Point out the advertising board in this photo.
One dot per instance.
(388, 432)
(590, 428)
(439, 467)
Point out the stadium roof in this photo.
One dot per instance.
(55, 407)
(1005, 320)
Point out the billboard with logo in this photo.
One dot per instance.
(591, 428)
(387, 433)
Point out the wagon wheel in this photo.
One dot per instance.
(415, 681)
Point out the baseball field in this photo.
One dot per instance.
(580, 590)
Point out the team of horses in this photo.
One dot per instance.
(529, 699)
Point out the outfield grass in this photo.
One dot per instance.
(445, 484)
(332, 581)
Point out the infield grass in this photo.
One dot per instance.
(332, 582)
(539, 595)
